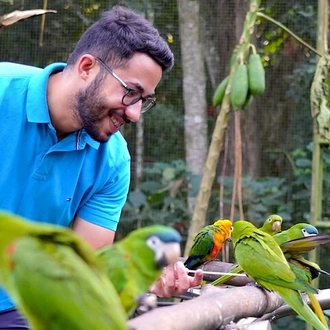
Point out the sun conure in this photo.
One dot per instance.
(272, 225)
(55, 278)
(208, 243)
(262, 259)
(134, 263)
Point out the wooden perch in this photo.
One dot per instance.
(219, 266)
(213, 308)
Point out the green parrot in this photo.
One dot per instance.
(296, 241)
(134, 263)
(208, 243)
(272, 225)
(262, 259)
(301, 229)
(299, 239)
(55, 278)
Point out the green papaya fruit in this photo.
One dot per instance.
(220, 92)
(239, 87)
(256, 73)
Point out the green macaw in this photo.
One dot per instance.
(301, 229)
(272, 225)
(134, 263)
(262, 259)
(296, 241)
(208, 243)
(299, 239)
(55, 278)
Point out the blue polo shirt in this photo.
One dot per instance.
(50, 181)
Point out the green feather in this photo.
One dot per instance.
(55, 278)
(134, 263)
(263, 260)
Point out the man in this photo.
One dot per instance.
(63, 160)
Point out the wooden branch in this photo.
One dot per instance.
(213, 308)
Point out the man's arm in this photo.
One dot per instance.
(95, 235)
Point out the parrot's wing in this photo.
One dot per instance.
(305, 244)
(203, 243)
(116, 265)
(56, 286)
(202, 246)
(259, 261)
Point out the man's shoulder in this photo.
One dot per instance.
(116, 148)
(9, 69)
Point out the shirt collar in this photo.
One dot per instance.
(36, 103)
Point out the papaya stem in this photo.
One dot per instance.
(283, 27)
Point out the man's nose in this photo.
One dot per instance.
(133, 112)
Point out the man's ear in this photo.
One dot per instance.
(87, 66)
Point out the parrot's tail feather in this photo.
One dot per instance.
(294, 300)
(317, 308)
(321, 271)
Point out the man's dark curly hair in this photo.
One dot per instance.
(118, 35)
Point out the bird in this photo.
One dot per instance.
(272, 225)
(296, 241)
(135, 262)
(301, 237)
(208, 243)
(55, 278)
(262, 259)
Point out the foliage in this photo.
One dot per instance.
(261, 197)
(299, 17)
(161, 124)
(160, 198)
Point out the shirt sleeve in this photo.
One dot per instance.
(105, 206)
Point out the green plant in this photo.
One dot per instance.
(161, 198)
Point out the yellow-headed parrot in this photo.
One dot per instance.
(134, 263)
(262, 259)
(208, 243)
(55, 279)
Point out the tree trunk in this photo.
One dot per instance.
(194, 83)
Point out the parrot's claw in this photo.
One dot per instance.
(256, 285)
(146, 303)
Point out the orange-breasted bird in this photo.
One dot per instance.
(208, 243)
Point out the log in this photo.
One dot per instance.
(215, 307)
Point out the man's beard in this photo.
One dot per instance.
(90, 109)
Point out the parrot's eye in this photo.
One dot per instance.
(270, 220)
(153, 242)
(305, 232)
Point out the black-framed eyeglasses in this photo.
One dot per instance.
(132, 95)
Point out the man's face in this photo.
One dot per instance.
(99, 106)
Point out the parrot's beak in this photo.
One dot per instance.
(171, 254)
(276, 226)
